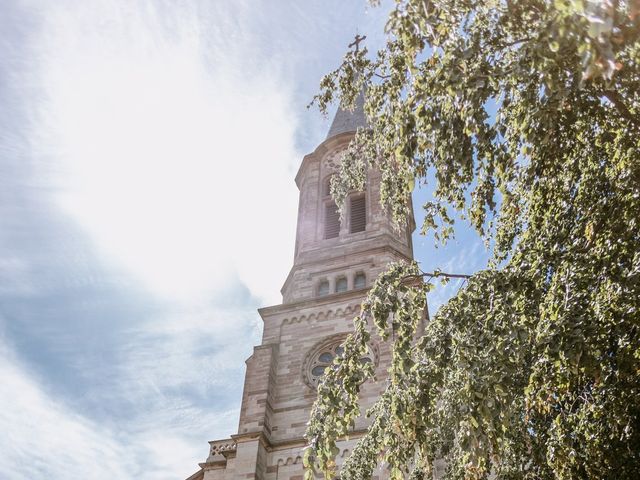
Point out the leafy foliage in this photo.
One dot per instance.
(526, 116)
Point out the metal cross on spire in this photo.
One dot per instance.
(356, 41)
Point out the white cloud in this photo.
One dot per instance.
(42, 436)
(156, 395)
(165, 130)
(202, 349)
(176, 157)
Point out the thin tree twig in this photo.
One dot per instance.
(515, 42)
(438, 274)
(462, 284)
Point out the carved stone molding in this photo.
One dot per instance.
(220, 449)
(323, 314)
(334, 159)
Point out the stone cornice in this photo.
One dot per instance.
(246, 437)
(384, 247)
(382, 240)
(301, 441)
(325, 301)
(215, 463)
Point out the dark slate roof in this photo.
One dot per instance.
(346, 121)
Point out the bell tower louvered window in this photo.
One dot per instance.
(331, 220)
(357, 214)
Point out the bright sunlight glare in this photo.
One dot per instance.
(178, 166)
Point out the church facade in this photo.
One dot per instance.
(335, 263)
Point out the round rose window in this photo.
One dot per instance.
(322, 356)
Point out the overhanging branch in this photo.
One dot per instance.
(618, 102)
(438, 274)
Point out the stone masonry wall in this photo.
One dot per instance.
(279, 389)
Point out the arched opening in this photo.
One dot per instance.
(323, 288)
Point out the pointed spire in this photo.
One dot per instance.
(346, 121)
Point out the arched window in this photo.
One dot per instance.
(323, 288)
(321, 357)
(360, 280)
(323, 360)
(357, 214)
(341, 284)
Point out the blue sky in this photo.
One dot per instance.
(147, 208)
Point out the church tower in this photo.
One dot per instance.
(334, 265)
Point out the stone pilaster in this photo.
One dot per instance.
(257, 398)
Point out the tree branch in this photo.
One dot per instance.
(438, 274)
(515, 42)
(616, 99)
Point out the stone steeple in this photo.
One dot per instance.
(364, 241)
(347, 121)
(335, 261)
